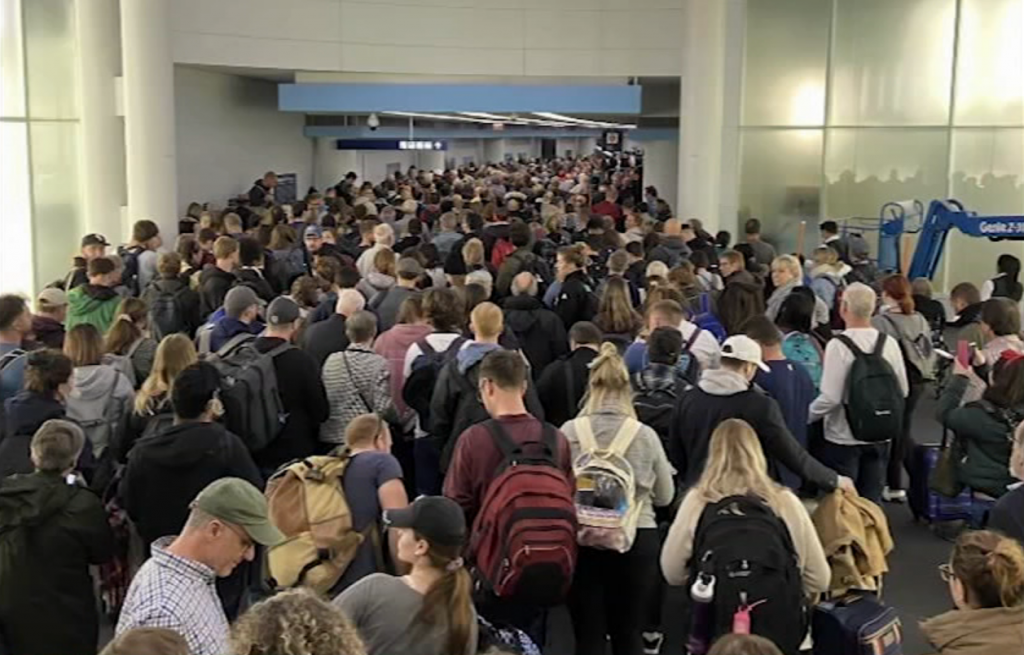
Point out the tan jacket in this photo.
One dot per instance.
(995, 631)
(855, 535)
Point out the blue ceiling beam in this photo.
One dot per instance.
(446, 98)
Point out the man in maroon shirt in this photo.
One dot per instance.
(476, 459)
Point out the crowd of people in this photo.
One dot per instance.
(588, 397)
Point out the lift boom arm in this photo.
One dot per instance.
(943, 216)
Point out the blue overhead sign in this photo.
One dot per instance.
(391, 144)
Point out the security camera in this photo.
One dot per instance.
(373, 122)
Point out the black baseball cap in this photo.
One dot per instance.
(94, 239)
(437, 519)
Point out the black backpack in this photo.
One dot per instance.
(419, 386)
(130, 258)
(748, 549)
(167, 313)
(875, 404)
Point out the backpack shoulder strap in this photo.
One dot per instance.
(10, 357)
(585, 434)
(277, 350)
(879, 344)
(454, 347)
(692, 340)
(425, 347)
(234, 343)
(502, 440)
(131, 349)
(624, 437)
(846, 341)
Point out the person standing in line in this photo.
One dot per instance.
(604, 577)
(48, 320)
(764, 252)
(96, 302)
(215, 281)
(357, 380)
(985, 576)
(175, 587)
(46, 592)
(1006, 284)
(15, 326)
(864, 463)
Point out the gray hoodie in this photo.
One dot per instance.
(100, 401)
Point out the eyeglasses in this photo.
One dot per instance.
(247, 543)
(946, 572)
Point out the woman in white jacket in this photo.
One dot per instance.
(737, 467)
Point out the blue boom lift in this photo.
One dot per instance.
(943, 216)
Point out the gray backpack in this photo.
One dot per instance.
(252, 401)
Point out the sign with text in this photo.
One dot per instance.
(391, 144)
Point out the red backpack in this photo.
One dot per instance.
(524, 543)
(502, 249)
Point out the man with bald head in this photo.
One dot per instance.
(537, 328)
(328, 336)
(672, 249)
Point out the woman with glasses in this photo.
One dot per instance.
(986, 583)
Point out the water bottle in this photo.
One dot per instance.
(702, 594)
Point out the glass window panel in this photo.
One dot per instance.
(50, 58)
(990, 63)
(56, 205)
(988, 177)
(892, 62)
(866, 168)
(12, 60)
(780, 181)
(786, 52)
(16, 224)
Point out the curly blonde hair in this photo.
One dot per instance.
(295, 622)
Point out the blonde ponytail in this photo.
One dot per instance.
(608, 387)
(1007, 564)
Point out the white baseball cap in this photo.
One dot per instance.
(745, 349)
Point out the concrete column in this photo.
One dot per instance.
(149, 114)
(101, 130)
(661, 167)
(708, 90)
(587, 145)
(330, 164)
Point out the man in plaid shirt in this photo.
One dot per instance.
(175, 588)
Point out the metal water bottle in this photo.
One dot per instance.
(702, 594)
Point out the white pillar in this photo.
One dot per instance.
(101, 131)
(330, 164)
(709, 98)
(149, 114)
(494, 151)
(661, 167)
(430, 160)
(587, 146)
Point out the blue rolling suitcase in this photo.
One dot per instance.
(857, 624)
(925, 503)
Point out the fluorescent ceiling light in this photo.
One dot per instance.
(513, 120)
(436, 117)
(582, 121)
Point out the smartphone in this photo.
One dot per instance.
(963, 353)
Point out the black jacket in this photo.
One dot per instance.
(49, 332)
(258, 194)
(214, 284)
(24, 414)
(742, 298)
(656, 389)
(167, 470)
(455, 406)
(698, 413)
(575, 301)
(1008, 515)
(255, 280)
(305, 403)
(325, 338)
(562, 384)
(188, 299)
(538, 329)
(47, 604)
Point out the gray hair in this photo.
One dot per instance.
(361, 327)
(384, 235)
(524, 284)
(349, 302)
(56, 445)
(860, 300)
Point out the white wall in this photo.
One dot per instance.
(455, 37)
(229, 132)
(460, 149)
